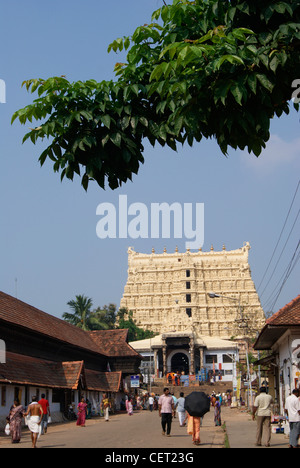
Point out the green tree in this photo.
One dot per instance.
(83, 316)
(125, 321)
(103, 318)
(82, 308)
(217, 69)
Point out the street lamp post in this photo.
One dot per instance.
(213, 295)
(150, 364)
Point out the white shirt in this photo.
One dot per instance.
(292, 405)
(263, 404)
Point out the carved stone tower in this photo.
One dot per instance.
(170, 292)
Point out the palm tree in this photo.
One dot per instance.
(80, 317)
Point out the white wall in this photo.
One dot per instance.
(228, 368)
(9, 391)
(288, 362)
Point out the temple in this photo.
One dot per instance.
(211, 293)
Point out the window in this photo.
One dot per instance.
(227, 358)
(189, 312)
(56, 395)
(188, 273)
(188, 298)
(211, 358)
(188, 285)
(3, 396)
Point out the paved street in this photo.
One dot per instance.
(143, 430)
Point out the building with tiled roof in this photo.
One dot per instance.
(181, 351)
(281, 338)
(44, 354)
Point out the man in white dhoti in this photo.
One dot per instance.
(34, 416)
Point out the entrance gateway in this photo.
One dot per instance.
(179, 361)
(188, 353)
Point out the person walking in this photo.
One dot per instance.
(82, 410)
(35, 413)
(175, 403)
(181, 410)
(130, 407)
(193, 428)
(151, 402)
(262, 407)
(166, 411)
(217, 411)
(46, 413)
(15, 421)
(292, 409)
(105, 406)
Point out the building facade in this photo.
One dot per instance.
(171, 292)
(280, 337)
(189, 354)
(41, 353)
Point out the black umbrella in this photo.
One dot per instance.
(197, 404)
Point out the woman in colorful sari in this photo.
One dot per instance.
(106, 406)
(217, 407)
(130, 407)
(81, 416)
(193, 428)
(15, 421)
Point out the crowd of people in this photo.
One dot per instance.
(37, 416)
(168, 405)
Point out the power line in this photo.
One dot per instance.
(288, 271)
(264, 275)
(280, 254)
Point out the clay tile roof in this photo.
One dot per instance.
(110, 343)
(26, 370)
(19, 313)
(113, 342)
(103, 381)
(289, 315)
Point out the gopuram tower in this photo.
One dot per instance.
(211, 293)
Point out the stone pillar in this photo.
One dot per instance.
(155, 363)
(192, 354)
(201, 358)
(164, 351)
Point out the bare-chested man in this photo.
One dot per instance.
(35, 413)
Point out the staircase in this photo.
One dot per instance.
(218, 387)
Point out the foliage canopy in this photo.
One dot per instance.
(217, 69)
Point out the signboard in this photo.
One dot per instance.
(134, 381)
(185, 380)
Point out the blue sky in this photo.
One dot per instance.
(48, 238)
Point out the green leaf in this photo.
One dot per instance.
(85, 182)
(116, 138)
(237, 92)
(265, 82)
(229, 58)
(252, 82)
(106, 120)
(274, 63)
(135, 89)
